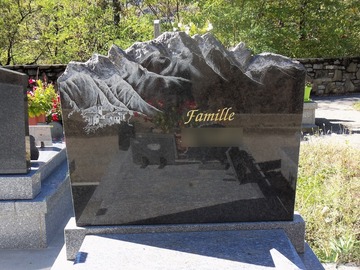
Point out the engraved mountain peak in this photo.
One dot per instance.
(176, 68)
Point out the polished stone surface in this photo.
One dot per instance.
(230, 250)
(14, 131)
(180, 130)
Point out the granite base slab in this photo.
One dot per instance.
(244, 249)
(33, 223)
(28, 186)
(74, 235)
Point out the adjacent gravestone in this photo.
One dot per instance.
(42, 135)
(180, 130)
(14, 139)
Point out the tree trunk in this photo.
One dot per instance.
(302, 22)
(117, 10)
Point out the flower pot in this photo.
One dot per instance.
(37, 119)
(307, 94)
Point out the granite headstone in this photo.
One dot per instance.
(14, 130)
(181, 130)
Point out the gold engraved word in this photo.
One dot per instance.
(220, 115)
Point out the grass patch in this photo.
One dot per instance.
(357, 105)
(328, 197)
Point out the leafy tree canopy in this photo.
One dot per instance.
(51, 31)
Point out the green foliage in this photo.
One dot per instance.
(49, 31)
(295, 28)
(41, 98)
(13, 29)
(357, 106)
(328, 197)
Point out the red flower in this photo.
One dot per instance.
(31, 81)
(54, 104)
(54, 117)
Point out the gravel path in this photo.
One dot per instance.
(337, 114)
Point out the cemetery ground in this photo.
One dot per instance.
(328, 198)
(328, 192)
(328, 188)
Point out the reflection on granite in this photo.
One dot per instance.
(179, 130)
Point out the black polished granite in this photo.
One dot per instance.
(181, 130)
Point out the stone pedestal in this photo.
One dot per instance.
(35, 205)
(247, 245)
(74, 235)
(28, 186)
(308, 119)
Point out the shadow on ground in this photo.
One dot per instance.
(334, 126)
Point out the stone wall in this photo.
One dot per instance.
(333, 75)
(328, 75)
(52, 72)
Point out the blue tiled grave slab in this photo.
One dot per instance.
(180, 130)
(14, 132)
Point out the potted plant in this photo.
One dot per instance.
(171, 118)
(309, 108)
(41, 97)
(163, 144)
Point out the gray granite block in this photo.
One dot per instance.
(309, 113)
(247, 249)
(28, 186)
(32, 223)
(74, 236)
(14, 131)
(42, 135)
